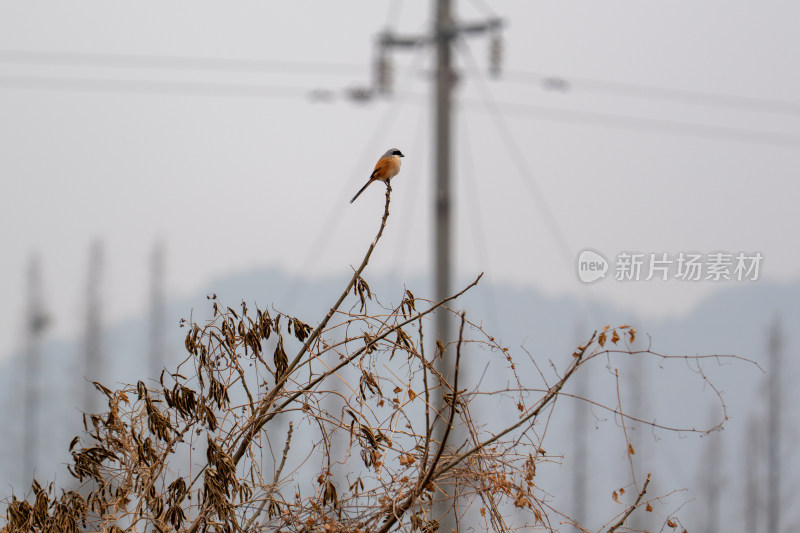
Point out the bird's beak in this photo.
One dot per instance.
(401, 155)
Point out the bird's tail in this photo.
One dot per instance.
(362, 190)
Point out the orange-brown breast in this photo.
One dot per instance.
(387, 168)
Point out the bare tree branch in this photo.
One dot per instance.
(632, 507)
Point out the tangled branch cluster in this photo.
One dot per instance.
(272, 425)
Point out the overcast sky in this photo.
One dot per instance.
(680, 131)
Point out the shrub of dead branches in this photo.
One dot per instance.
(271, 424)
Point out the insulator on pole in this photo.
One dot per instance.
(384, 72)
(554, 83)
(360, 94)
(495, 54)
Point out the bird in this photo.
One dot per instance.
(386, 168)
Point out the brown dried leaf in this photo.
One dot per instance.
(281, 360)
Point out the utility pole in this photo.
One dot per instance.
(752, 468)
(637, 407)
(35, 324)
(712, 480)
(157, 314)
(580, 435)
(445, 80)
(774, 427)
(94, 367)
(444, 34)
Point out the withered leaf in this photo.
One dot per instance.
(280, 359)
(301, 329)
(329, 494)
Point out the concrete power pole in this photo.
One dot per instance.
(442, 251)
(580, 447)
(637, 406)
(36, 322)
(93, 356)
(753, 469)
(157, 314)
(712, 481)
(774, 427)
(444, 34)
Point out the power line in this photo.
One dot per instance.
(524, 170)
(567, 84)
(482, 243)
(334, 218)
(481, 5)
(547, 81)
(673, 127)
(393, 13)
(144, 61)
(401, 251)
(263, 91)
(522, 166)
(194, 88)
